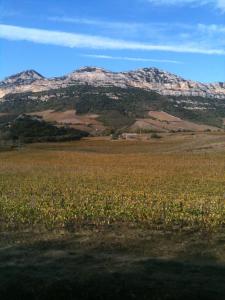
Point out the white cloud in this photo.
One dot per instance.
(96, 22)
(203, 36)
(140, 59)
(211, 28)
(76, 40)
(219, 4)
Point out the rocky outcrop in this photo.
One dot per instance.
(154, 79)
(23, 78)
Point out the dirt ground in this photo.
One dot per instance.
(157, 120)
(112, 264)
(162, 121)
(201, 142)
(87, 122)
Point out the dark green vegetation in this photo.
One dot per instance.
(29, 129)
(117, 107)
(212, 114)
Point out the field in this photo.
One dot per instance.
(103, 219)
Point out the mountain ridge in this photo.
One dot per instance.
(150, 79)
(22, 77)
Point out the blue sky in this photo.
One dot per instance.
(55, 37)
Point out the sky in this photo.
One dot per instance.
(55, 37)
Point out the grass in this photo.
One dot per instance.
(101, 219)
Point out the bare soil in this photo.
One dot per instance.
(162, 121)
(111, 264)
(87, 122)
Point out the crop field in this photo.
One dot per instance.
(101, 183)
(105, 219)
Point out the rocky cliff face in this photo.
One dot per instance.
(154, 79)
(24, 81)
(23, 78)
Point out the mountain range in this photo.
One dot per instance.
(151, 79)
(98, 101)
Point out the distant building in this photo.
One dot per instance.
(129, 136)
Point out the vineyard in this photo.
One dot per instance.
(98, 183)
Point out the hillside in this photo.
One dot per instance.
(99, 101)
(30, 129)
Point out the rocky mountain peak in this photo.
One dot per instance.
(153, 79)
(25, 77)
(90, 70)
(89, 75)
(154, 75)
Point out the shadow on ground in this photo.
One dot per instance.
(110, 266)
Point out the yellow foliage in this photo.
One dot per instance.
(67, 185)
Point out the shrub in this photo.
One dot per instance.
(155, 136)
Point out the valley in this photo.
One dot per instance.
(112, 150)
(111, 186)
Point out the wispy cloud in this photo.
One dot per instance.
(211, 28)
(96, 22)
(119, 28)
(76, 40)
(203, 36)
(140, 59)
(219, 4)
(5, 13)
